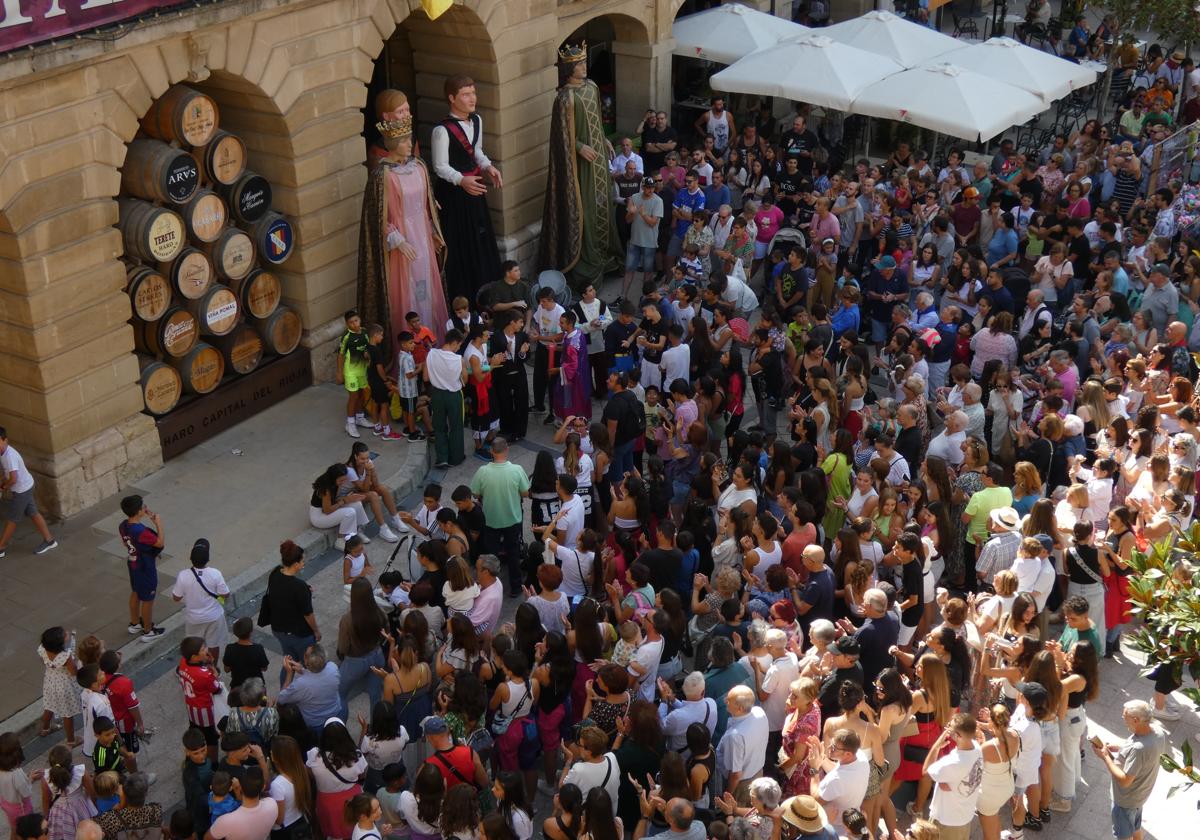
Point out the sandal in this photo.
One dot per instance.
(46, 730)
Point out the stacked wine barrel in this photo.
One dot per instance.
(201, 242)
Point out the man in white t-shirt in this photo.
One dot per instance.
(567, 524)
(202, 591)
(16, 498)
(590, 765)
(254, 819)
(845, 786)
(958, 776)
(643, 667)
(774, 687)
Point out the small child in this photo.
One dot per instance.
(390, 590)
(60, 694)
(16, 795)
(66, 787)
(354, 562)
(199, 683)
(109, 753)
(627, 645)
(221, 800)
(408, 386)
(1099, 483)
(381, 386)
(198, 769)
(89, 650)
(95, 703)
(551, 605)
(108, 791)
(382, 744)
(459, 590)
(389, 795)
(244, 659)
(683, 307)
(363, 810)
(352, 365)
(425, 522)
(692, 267)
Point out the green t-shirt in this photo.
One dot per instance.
(353, 348)
(1070, 636)
(980, 507)
(500, 486)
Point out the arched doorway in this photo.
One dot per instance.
(620, 62)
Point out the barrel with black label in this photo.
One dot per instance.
(273, 237)
(258, 293)
(232, 254)
(223, 158)
(201, 368)
(150, 233)
(159, 172)
(190, 274)
(204, 216)
(242, 348)
(149, 294)
(172, 335)
(216, 311)
(249, 197)
(281, 331)
(161, 385)
(182, 114)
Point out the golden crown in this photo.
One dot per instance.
(401, 127)
(572, 54)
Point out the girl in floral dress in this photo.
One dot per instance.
(60, 694)
(66, 794)
(803, 720)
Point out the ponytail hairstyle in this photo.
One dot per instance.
(357, 807)
(290, 554)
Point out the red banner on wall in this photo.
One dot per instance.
(24, 22)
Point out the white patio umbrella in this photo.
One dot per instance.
(885, 34)
(729, 32)
(808, 68)
(949, 99)
(1006, 60)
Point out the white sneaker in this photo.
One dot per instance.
(360, 420)
(340, 544)
(396, 525)
(385, 534)
(351, 429)
(1167, 713)
(365, 539)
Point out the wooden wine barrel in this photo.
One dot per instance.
(201, 368)
(258, 293)
(249, 197)
(222, 158)
(159, 172)
(182, 114)
(231, 253)
(161, 385)
(273, 237)
(281, 331)
(150, 233)
(172, 335)
(148, 292)
(216, 311)
(204, 216)
(190, 274)
(242, 348)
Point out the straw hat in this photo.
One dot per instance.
(805, 813)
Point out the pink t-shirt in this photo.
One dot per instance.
(768, 222)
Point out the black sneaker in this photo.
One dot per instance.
(1044, 815)
(549, 421)
(151, 634)
(1032, 822)
(417, 435)
(442, 465)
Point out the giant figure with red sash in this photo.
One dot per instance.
(461, 192)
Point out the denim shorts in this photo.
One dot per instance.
(1125, 821)
(639, 258)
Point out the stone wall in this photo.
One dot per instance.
(290, 77)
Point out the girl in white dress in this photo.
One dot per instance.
(60, 694)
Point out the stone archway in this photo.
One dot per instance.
(624, 60)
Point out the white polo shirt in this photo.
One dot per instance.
(12, 462)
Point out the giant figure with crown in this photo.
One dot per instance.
(579, 235)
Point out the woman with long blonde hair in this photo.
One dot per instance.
(931, 709)
(1092, 407)
(997, 786)
(1044, 670)
(290, 787)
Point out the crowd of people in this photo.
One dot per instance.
(878, 605)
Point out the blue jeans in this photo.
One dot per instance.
(353, 670)
(293, 646)
(1126, 821)
(622, 462)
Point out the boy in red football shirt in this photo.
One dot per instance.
(127, 713)
(199, 682)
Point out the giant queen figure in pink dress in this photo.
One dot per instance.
(401, 250)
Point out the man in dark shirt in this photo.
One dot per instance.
(628, 183)
(966, 216)
(815, 600)
(908, 441)
(885, 287)
(618, 337)
(621, 417)
(787, 188)
(511, 292)
(1079, 252)
(799, 144)
(666, 560)
(876, 635)
(652, 341)
(657, 140)
(470, 517)
(792, 283)
(996, 292)
(845, 667)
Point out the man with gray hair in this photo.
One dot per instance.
(680, 815)
(1062, 366)
(773, 685)
(677, 715)
(1161, 298)
(313, 687)
(1133, 765)
(973, 408)
(742, 750)
(485, 612)
(947, 445)
(876, 635)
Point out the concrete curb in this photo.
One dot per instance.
(247, 586)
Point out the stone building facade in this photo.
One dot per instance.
(291, 78)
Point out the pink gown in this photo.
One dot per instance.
(414, 286)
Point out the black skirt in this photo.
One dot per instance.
(472, 258)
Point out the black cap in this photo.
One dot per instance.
(647, 182)
(200, 553)
(1034, 692)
